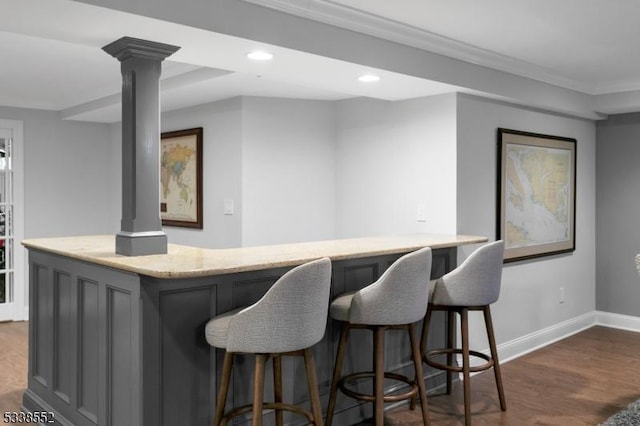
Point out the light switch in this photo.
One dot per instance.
(228, 206)
(422, 212)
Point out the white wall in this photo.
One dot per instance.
(529, 300)
(391, 157)
(288, 171)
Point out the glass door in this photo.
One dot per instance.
(6, 226)
(11, 296)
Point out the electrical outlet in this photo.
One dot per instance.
(561, 295)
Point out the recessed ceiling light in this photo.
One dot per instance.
(260, 55)
(368, 78)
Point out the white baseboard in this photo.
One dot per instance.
(538, 339)
(11, 312)
(21, 313)
(623, 322)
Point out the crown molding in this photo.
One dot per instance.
(329, 12)
(617, 86)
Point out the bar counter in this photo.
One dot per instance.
(116, 340)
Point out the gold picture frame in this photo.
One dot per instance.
(536, 194)
(181, 178)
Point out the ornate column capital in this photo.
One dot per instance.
(129, 47)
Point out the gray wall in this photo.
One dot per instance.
(384, 157)
(66, 180)
(618, 210)
(67, 172)
(529, 300)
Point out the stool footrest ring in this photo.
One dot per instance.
(455, 368)
(269, 406)
(344, 381)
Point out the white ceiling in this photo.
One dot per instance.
(51, 55)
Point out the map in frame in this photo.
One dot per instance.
(181, 178)
(536, 212)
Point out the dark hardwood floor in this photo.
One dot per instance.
(581, 380)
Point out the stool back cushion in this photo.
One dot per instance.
(476, 282)
(399, 296)
(292, 315)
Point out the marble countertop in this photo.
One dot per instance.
(187, 262)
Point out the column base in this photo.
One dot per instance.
(141, 243)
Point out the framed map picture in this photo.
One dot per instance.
(181, 178)
(536, 194)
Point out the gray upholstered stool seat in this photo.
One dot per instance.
(339, 309)
(396, 300)
(472, 286)
(217, 330)
(288, 320)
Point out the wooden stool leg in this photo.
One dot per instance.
(451, 328)
(337, 371)
(425, 330)
(494, 355)
(224, 388)
(258, 389)
(417, 362)
(312, 380)
(378, 362)
(464, 327)
(426, 323)
(277, 387)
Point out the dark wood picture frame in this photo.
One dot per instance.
(536, 206)
(176, 151)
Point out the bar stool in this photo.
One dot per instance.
(287, 321)
(472, 286)
(395, 301)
